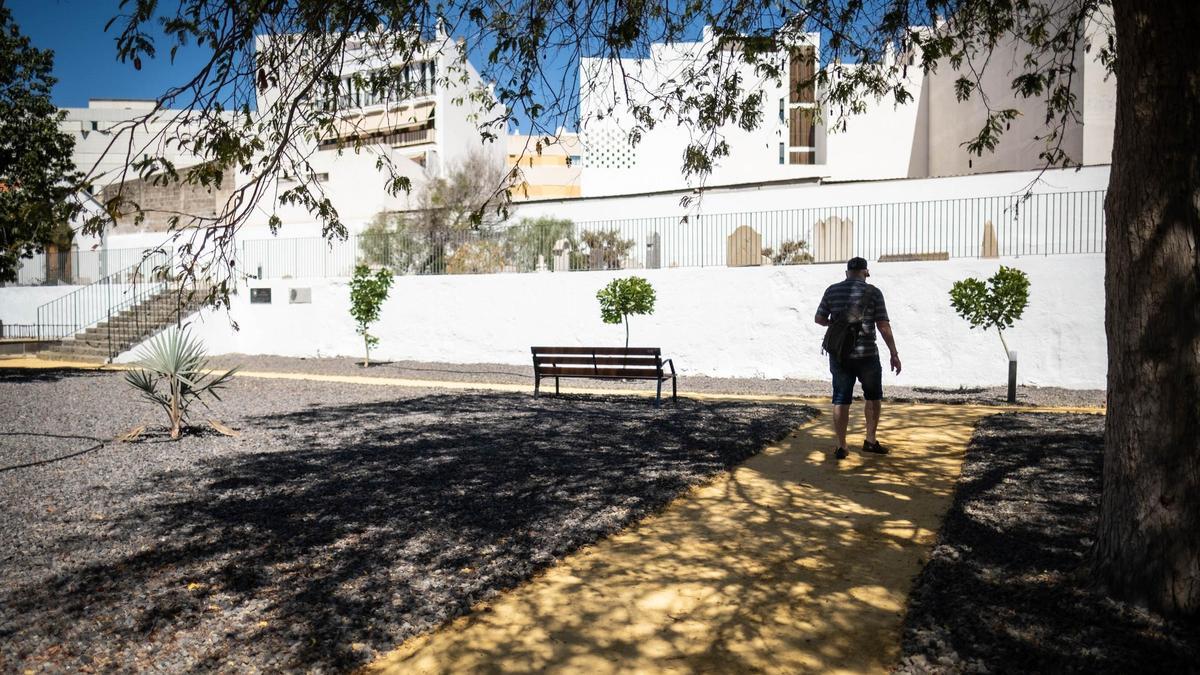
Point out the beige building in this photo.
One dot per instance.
(547, 170)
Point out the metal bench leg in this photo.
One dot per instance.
(556, 386)
(674, 393)
(658, 394)
(537, 384)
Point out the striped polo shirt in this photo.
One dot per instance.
(843, 295)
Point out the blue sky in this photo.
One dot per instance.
(85, 61)
(85, 57)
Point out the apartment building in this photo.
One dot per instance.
(110, 133)
(546, 167)
(922, 138)
(431, 122)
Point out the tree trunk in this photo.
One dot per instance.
(1148, 544)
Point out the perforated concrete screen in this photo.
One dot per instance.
(609, 149)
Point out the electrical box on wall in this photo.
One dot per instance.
(300, 296)
(260, 296)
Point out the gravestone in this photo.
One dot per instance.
(260, 296)
(833, 239)
(562, 255)
(743, 248)
(653, 251)
(991, 245)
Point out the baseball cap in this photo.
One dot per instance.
(856, 264)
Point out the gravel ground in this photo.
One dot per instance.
(1006, 589)
(498, 373)
(343, 520)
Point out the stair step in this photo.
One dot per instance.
(50, 355)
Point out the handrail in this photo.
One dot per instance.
(92, 304)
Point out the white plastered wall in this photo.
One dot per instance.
(734, 322)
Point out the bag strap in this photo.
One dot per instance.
(860, 306)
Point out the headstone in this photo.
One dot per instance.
(833, 239)
(300, 296)
(743, 248)
(260, 296)
(562, 255)
(991, 245)
(654, 251)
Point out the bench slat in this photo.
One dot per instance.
(645, 361)
(610, 351)
(640, 373)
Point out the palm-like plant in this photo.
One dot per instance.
(176, 360)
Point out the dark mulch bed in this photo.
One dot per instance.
(1006, 588)
(344, 520)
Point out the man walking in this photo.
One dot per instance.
(862, 364)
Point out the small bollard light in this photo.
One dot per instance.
(1012, 377)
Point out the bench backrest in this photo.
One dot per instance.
(599, 361)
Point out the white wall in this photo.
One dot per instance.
(747, 322)
(884, 141)
(18, 304)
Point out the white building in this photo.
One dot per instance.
(546, 167)
(111, 133)
(921, 138)
(421, 130)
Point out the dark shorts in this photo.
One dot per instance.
(868, 371)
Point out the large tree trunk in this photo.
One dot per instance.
(1148, 545)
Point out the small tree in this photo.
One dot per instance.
(367, 293)
(999, 302)
(623, 297)
(177, 360)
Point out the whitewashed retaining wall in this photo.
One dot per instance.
(747, 322)
(18, 304)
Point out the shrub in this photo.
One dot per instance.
(623, 297)
(367, 293)
(791, 252)
(999, 302)
(389, 241)
(476, 257)
(606, 248)
(535, 237)
(177, 360)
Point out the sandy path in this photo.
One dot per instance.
(792, 563)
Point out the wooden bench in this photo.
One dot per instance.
(604, 363)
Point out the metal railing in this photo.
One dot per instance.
(99, 301)
(18, 331)
(76, 267)
(1040, 224)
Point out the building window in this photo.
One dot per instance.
(782, 153)
(782, 111)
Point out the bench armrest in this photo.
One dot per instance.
(669, 362)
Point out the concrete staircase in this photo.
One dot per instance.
(126, 329)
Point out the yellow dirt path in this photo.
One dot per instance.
(791, 563)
